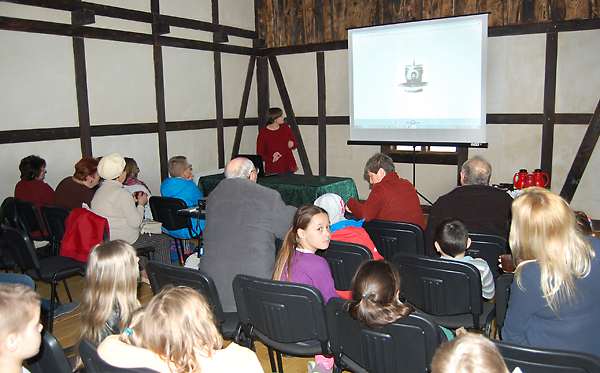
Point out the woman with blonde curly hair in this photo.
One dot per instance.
(554, 299)
(110, 294)
(176, 333)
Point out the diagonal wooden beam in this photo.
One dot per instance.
(322, 117)
(287, 105)
(590, 139)
(549, 104)
(243, 107)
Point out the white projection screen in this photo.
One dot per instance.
(419, 83)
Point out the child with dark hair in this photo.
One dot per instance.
(452, 241)
(275, 143)
(584, 223)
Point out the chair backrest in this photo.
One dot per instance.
(9, 213)
(281, 313)
(22, 249)
(54, 218)
(406, 345)
(502, 294)
(391, 237)
(93, 363)
(164, 210)
(440, 287)
(30, 217)
(51, 358)
(545, 360)
(161, 275)
(344, 258)
(489, 248)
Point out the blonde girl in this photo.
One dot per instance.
(554, 298)
(176, 333)
(110, 294)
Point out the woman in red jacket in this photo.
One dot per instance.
(275, 144)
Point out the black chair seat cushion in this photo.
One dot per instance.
(305, 348)
(456, 321)
(229, 325)
(49, 266)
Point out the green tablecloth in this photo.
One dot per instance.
(295, 189)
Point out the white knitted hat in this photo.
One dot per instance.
(111, 166)
(334, 205)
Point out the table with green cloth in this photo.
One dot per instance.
(295, 190)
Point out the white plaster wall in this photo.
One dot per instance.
(234, 68)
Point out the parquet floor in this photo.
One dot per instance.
(66, 327)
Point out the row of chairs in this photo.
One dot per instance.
(392, 237)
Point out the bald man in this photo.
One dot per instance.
(242, 221)
(483, 208)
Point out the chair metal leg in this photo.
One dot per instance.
(52, 305)
(67, 289)
(279, 362)
(272, 360)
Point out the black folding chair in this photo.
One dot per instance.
(391, 237)
(545, 360)
(161, 274)
(448, 291)
(49, 270)
(54, 218)
(51, 358)
(344, 258)
(286, 317)
(31, 220)
(502, 295)
(93, 363)
(164, 210)
(405, 345)
(489, 248)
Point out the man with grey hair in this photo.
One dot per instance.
(483, 208)
(243, 219)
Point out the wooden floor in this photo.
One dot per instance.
(66, 327)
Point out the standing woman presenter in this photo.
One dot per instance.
(275, 143)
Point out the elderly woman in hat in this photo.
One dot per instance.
(125, 211)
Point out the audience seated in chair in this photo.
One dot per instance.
(452, 241)
(133, 184)
(73, 191)
(32, 187)
(176, 332)
(20, 326)
(180, 185)
(342, 229)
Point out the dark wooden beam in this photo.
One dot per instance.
(159, 86)
(262, 84)
(218, 91)
(549, 104)
(429, 158)
(243, 107)
(590, 139)
(51, 28)
(137, 16)
(83, 107)
(306, 48)
(291, 117)
(322, 113)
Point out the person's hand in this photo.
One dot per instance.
(460, 331)
(290, 144)
(140, 198)
(276, 156)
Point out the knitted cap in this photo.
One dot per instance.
(111, 166)
(334, 205)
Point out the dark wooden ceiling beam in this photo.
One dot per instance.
(243, 108)
(590, 139)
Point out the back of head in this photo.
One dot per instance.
(380, 160)
(584, 223)
(239, 168)
(111, 166)
(131, 168)
(177, 324)
(543, 229)
(375, 289)
(476, 171)
(273, 113)
(111, 281)
(177, 165)
(17, 308)
(468, 353)
(31, 166)
(334, 205)
(452, 236)
(302, 219)
(85, 167)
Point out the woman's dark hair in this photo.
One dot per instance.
(375, 289)
(87, 166)
(272, 114)
(31, 167)
(131, 168)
